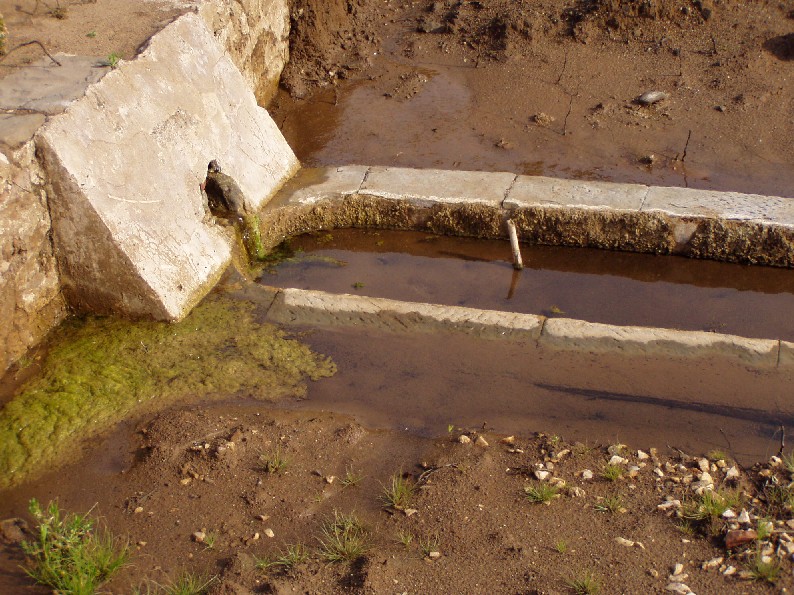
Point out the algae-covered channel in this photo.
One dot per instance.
(595, 285)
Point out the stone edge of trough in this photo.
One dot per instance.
(319, 308)
(724, 226)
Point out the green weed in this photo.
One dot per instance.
(399, 492)
(561, 546)
(288, 558)
(612, 472)
(343, 539)
(188, 583)
(429, 545)
(587, 584)
(541, 493)
(612, 504)
(710, 506)
(768, 572)
(113, 60)
(274, 462)
(405, 538)
(68, 554)
(351, 478)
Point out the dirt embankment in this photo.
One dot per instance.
(551, 88)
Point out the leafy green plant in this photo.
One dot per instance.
(358, 285)
(399, 492)
(612, 472)
(68, 554)
(763, 529)
(91, 34)
(541, 493)
(586, 584)
(274, 462)
(210, 538)
(113, 60)
(344, 538)
(717, 455)
(612, 504)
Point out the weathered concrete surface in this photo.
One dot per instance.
(297, 306)
(561, 333)
(786, 359)
(256, 35)
(47, 88)
(30, 299)
(125, 163)
(529, 191)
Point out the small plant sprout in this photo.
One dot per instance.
(358, 285)
(113, 60)
(68, 554)
(612, 504)
(779, 497)
(764, 568)
(763, 529)
(586, 584)
(274, 462)
(717, 455)
(91, 34)
(351, 478)
(561, 546)
(710, 506)
(429, 546)
(399, 492)
(188, 583)
(210, 539)
(612, 472)
(541, 493)
(450, 428)
(788, 461)
(405, 538)
(343, 539)
(287, 559)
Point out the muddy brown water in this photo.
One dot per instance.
(594, 285)
(419, 384)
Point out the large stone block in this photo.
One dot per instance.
(125, 165)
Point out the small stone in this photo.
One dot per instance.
(678, 569)
(732, 473)
(775, 461)
(410, 511)
(669, 505)
(138, 510)
(541, 474)
(739, 537)
(13, 530)
(464, 439)
(577, 492)
(713, 563)
(703, 464)
(269, 533)
(434, 555)
(482, 442)
(329, 479)
(678, 588)
(651, 97)
(653, 572)
(185, 481)
(262, 517)
(729, 514)
(617, 460)
(729, 571)
(199, 536)
(624, 542)
(790, 523)
(587, 474)
(510, 440)
(744, 517)
(141, 543)
(658, 472)
(642, 455)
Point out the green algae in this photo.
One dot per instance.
(100, 370)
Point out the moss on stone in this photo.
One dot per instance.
(100, 370)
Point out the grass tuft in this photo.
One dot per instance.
(68, 555)
(429, 545)
(351, 478)
(612, 504)
(344, 539)
(541, 493)
(287, 559)
(710, 505)
(768, 572)
(188, 583)
(274, 462)
(587, 584)
(399, 492)
(612, 472)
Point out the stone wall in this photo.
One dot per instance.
(256, 35)
(30, 298)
